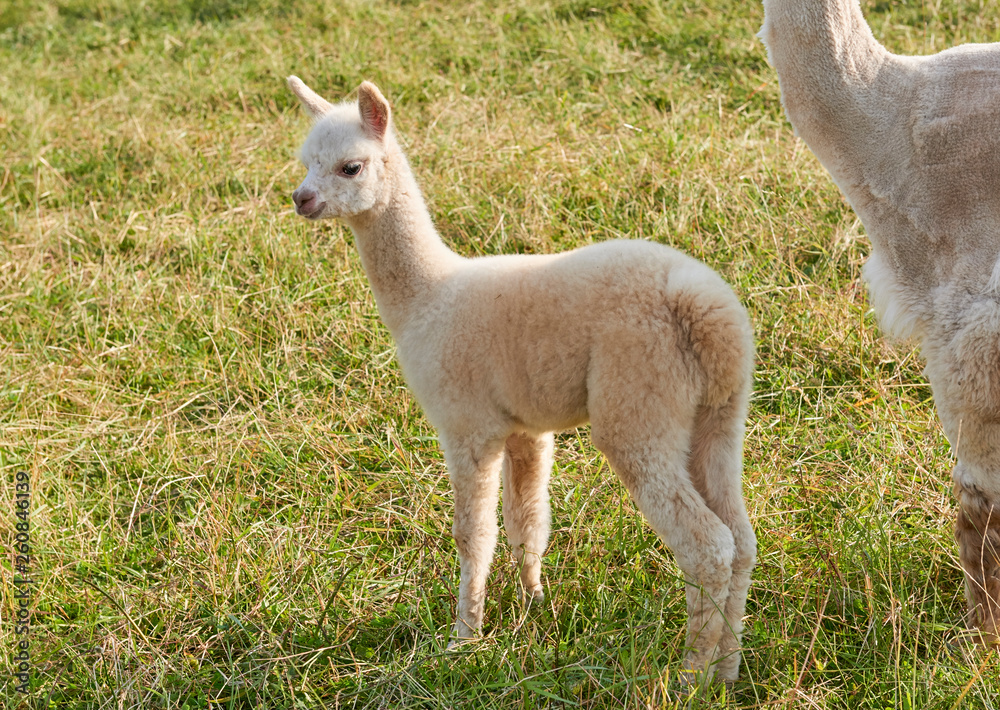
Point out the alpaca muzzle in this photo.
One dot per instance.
(307, 203)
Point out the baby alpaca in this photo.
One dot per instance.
(914, 142)
(648, 344)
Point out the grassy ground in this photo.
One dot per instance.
(236, 503)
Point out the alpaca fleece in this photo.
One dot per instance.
(649, 345)
(913, 143)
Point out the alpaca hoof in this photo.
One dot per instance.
(728, 668)
(707, 674)
(536, 595)
(455, 643)
(457, 640)
(690, 678)
(461, 634)
(986, 637)
(970, 643)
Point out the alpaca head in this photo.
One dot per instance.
(345, 153)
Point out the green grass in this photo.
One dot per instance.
(237, 504)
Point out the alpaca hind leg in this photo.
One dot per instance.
(716, 466)
(977, 530)
(474, 472)
(527, 465)
(702, 544)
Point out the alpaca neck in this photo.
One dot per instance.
(833, 76)
(401, 252)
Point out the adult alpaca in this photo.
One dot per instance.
(649, 344)
(914, 144)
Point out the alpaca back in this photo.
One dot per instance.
(524, 331)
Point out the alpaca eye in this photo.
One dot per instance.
(351, 168)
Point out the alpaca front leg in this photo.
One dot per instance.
(475, 481)
(977, 530)
(527, 466)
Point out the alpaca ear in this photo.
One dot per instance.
(374, 110)
(315, 104)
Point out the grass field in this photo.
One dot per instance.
(235, 503)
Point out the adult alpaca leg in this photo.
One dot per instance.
(977, 530)
(716, 464)
(964, 371)
(527, 466)
(474, 470)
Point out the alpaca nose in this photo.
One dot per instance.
(302, 196)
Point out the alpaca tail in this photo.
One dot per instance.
(722, 340)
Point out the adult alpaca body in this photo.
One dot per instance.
(914, 144)
(648, 344)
